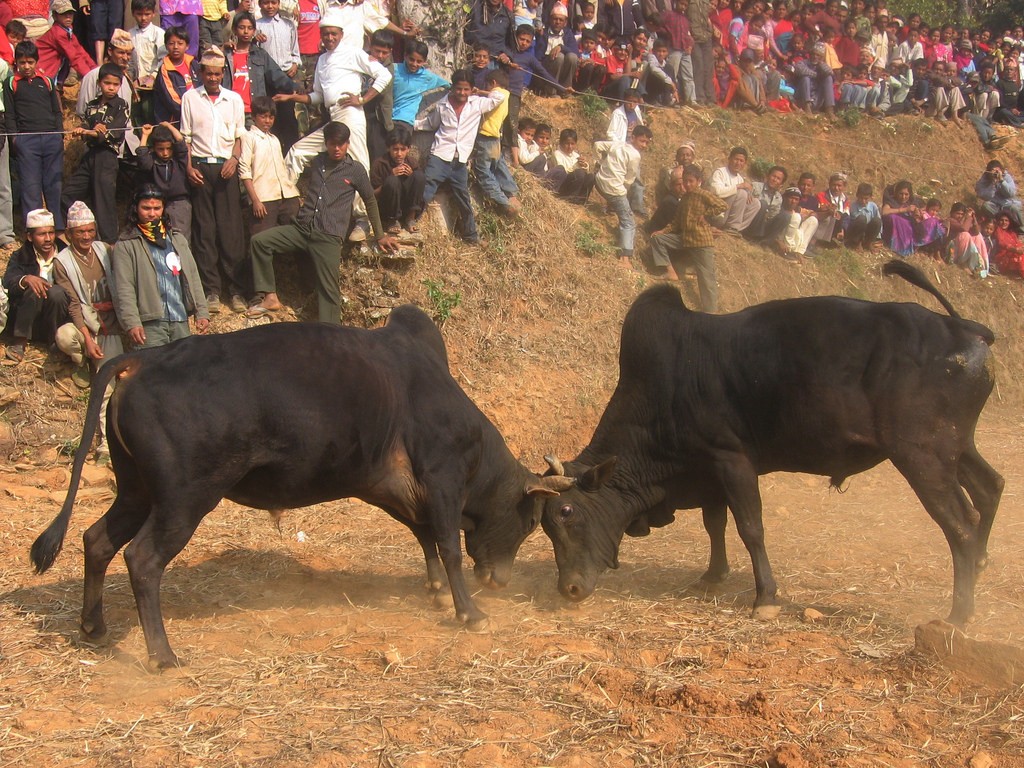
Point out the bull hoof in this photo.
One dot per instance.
(92, 634)
(766, 612)
(443, 600)
(960, 622)
(435, 585)
(478, 625)
(157, 664)
(716, 577)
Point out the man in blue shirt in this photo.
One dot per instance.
(411, 80)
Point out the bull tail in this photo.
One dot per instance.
(46, 548)
(917, 278)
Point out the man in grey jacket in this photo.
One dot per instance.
(157, 285)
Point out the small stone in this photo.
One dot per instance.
(392, 658)
(981, 760)
(811, 615)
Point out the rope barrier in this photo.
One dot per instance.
(784, 132)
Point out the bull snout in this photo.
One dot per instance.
(575, 588)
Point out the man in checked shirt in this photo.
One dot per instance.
(334, 178)
(689, 240)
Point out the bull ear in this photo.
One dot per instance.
(552, 485)
(597, 476)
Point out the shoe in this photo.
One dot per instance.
(15, 352)
(213, 304)
(82, 376)
(238, 304)
(359, 232)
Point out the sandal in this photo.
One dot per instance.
(393, 228)
(412, 226)
(15, 352)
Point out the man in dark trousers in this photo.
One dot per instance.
(212, 122)
(333, 180)
(38, 307)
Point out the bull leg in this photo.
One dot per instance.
(102, 541)
(716, 518)
(425, 536)
(985, 487)
(932, 481)
(450, 548)
(161, 538)
(739, 479)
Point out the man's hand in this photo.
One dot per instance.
(259, 210)
(228, 169)
(292, 70)
(92, 349)
(401, 170)
(202, 325)
(137, 335)
(195, 178)
(387, 243)
(37, 285)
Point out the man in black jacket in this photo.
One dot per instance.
(38, 307)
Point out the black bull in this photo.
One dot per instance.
(288, 415)
(829, 386)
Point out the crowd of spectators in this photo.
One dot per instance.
(761, 55)
(239, 136)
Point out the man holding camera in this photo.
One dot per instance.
(998, 191)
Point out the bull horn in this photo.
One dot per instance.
(551, 485)
(555, 464)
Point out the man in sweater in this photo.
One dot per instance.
(728, 183)
(59, 49)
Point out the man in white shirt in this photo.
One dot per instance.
(282, 38)
(728, 183)
(619, 169)
(338, 83)
(456, 122)
(213, 122)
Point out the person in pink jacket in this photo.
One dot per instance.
(59, 49)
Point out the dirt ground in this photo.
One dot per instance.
(321, 648)
(316, 645)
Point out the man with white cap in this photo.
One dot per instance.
(83, 271)
(213, 122)
(92, 336)
(338, 83)
(557, 48)
(119, 53)
(38, 307)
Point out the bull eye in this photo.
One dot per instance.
(565, 512)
